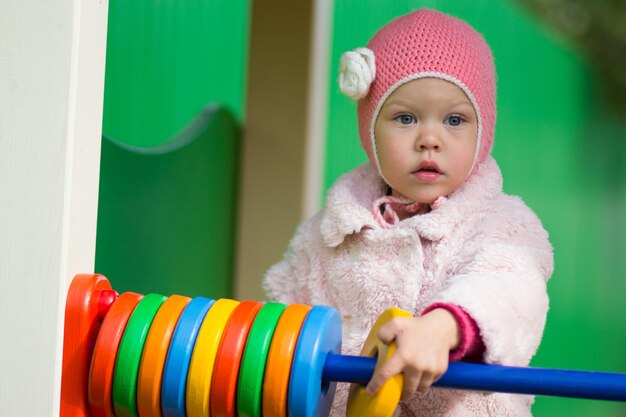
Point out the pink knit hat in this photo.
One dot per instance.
(423, 43)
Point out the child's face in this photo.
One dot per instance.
(426, 135)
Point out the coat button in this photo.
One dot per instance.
(407, 254)
(355, 253)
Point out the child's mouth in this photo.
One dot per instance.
(427, 173)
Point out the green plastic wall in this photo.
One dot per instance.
(166, 60)
(559, 149)
(166, 214)
(166, 220)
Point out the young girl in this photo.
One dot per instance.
(425, 225)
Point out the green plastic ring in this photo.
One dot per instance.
(129, 355)
(250, 387)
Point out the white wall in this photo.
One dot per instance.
(51, 91)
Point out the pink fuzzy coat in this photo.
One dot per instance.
(478, 248)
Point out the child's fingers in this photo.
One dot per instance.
(430, 377)
(425, 382)
(390, 330)
(411, 383)
(388, 369)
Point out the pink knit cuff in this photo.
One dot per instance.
(471, 345)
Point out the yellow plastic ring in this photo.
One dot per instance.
(154, 354)
(203, 357)
(385, 401)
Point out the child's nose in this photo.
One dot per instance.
(428, 140)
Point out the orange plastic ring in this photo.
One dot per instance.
(99, 391)
(226, 367)
(279, 358)
(154, 353)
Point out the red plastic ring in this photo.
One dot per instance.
(99, 390)
(226, 368)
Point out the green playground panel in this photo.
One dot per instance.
(167, 59)
(166, 214)
(168, 200)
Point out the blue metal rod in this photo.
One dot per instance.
(496, 378)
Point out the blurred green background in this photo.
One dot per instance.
(560, 141)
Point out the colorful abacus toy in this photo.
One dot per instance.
(156, 356)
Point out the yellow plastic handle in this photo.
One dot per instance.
(385, 401)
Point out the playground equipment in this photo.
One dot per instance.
(134, 355)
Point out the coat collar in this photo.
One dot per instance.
(349, 204)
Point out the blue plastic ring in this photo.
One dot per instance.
(309, 395)
(179, 357)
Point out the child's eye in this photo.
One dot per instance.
(455, 120)
(405, 119)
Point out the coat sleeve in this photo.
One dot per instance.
(285, 281)
(500, 281)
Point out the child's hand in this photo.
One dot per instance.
(423, 346)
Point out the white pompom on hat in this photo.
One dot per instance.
(357, 70)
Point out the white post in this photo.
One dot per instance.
(52, 57)
(317, 107)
